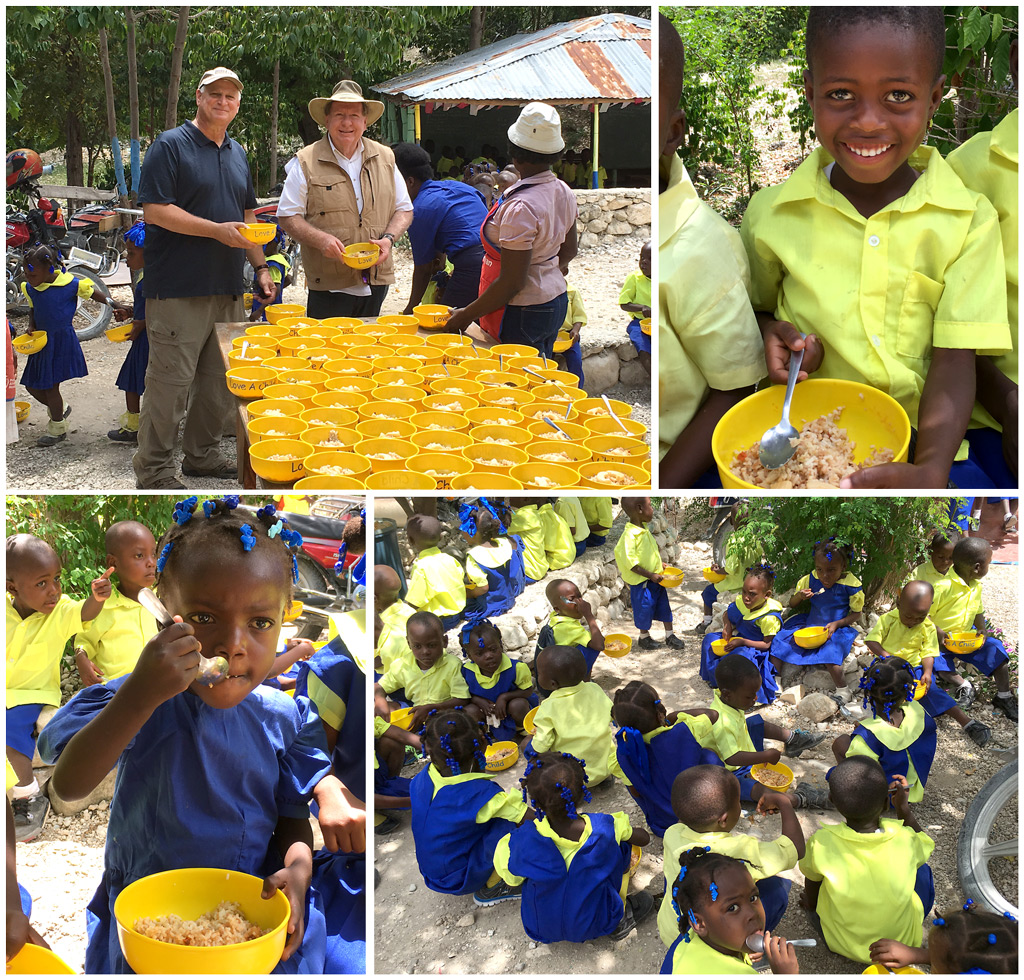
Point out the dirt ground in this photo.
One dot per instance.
(420, 931)
(88, 459)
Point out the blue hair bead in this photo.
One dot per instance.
(1007, 915)
(231, 500)
(968, 904)
(165, 551)
(275, 529)
(686, 936)
(714, 892)
(939, 922)
(183, 510)
(266, 512)
(992, 939)
(248, 538)
(209, 506)
(690, 916)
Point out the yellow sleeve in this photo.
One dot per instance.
(808, 865)
(24, 292)
(544, 733)
(86, 288)
(475, 573)
(457, 684)
(394, 678)
(700, 728)
(418, 593)
(631, 550)
(524, 679)
(623, 828)
(380, 726)
(501, 856)
(859, 747)
(503, 806)
(804, 583)
(773, 856)
(628, 289)
(769, 626)
(875, 634)
(857, 601)
(89, 639)
(765, 268)
(577, 313)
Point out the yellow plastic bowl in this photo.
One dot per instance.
(22, 409)
(645, 326)
(189, 892)
(506, 379)
(443, 467)
(485, 481)
(31, 343)
(440, 422)
(558, 395)
(404, 394)
(878, 968)
(350, 401)
(286, 470)
(254, 356)
(334, 483)
(564, 378)
(779, 768)
(500, 415)
(870, 417)
(399, 480)
(718, 647)
(317, 438)
(402, 718)
(274, 408)
(395, 362)
(270, 329)
(377, 451)
(602, 446)
(284, 365)
(529, 725)
(673, 577)
(554, 477)
(389, 410)
(296, 323)
(710, 575)
(439, 372)
(402, 341)
(293, 392)
(385, 429)
(563, 341)
(589, 476)
(303, 376)
(810, 637)
(421, 353)
(617, 644)
(501, 755)
(290, 427)
(540, 448)
(519, 366)
(298, 346)
(349, 384)
(510, 436)
(279, 311)
(595, 406)
(441, 441)
(361, 255)
(259, 233)
(514, 350)
(450, 403)
(317, 331)
(120, 333)
(353, 366)
(964, 642)
(344, 323)
(456, 386)
(560, 411)
(374, 330)
(446, 340)
(432, 316)
(335, 418)
(358, 466)
(541, 430)
(604, 425)
(634, 859)
(402, 322)
(356, 347)
(919, 690)
(489, 457)
(36, 959)
(249, 382)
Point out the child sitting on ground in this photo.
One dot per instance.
(431, 681)
(572, 867)
(640, 565)
(652, 747)
(836, 599)
(706, 803)
(527, 524)
(849, 867)
(558, 541)
(40, 620)
(394, 614)
(571, 623)
(498, 687)
(131, 379)
(110, 646)
(635, 298)
(495, 576)
(940, 558)
(280, 271)
(750, 623)
(571, 511)
(906, 631)
(718, 911)
(598, 512)
(739, 740)
(969, 940)
(740, 554)
(459, 812)
(576, 717)
(436, 580)
(900, 735)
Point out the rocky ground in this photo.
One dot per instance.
(419, 931)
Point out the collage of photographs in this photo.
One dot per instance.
(390, 592)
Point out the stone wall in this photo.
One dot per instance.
(619, 211)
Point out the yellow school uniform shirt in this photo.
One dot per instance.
(436, 583)
(987, 163)
(707, 333)
(855, 600)
(730, 731)
(393, 643)
(598, 511)
(115, 638)
(558, 540)
(880, 292)
(34, 646)
(697, 958)
(524, 681)
(568, 631)
(380, 726)
(765, 857)
(637, 547)
(912, 643)
(636, 289)
(867, 889)
(502, 806)
(896, 739)
(575, 720)
(574, 313)
(480, 557)
(527, 524)
(768, 625)
(443, 681)
(927, 572)
(956, 603)
(85, 287)
(571, 511)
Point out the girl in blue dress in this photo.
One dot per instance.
(207, 775)
(131, 379)
(751, 623)
(836, 599)
(498, 685)
(52, 296)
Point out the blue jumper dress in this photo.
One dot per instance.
(895, 762)
(749, 630)
(132, 376)
(571, 904)
(61, 359)
(831, 605)
(505, 584)
(506, 682)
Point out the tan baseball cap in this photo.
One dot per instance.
(216, 74)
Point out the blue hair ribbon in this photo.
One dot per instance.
(467, 518)
(209, 506)
(183, 510)
(248, 538)
(489, 507)
(714, 892)
(165, 551)
(136, 235)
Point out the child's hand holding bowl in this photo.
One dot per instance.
(771, 756)
(780, 338)
(294, 881)
(733, 642)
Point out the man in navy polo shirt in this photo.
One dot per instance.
(196, 192)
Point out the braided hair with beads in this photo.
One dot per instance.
(555, 783)
(974, 940)
(695, 886)
(454, 742)
(888, 684)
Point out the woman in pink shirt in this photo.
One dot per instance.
(529, 237)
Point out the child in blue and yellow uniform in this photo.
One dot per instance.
(394, 614)
(572, 867)
(53, 296)
(110, 646)
(598, 512)
(571, 511)
(902, 294)
(495, 575)
(280, 271)
(40, 620)
(940, 558)
(131, 379)
(652, 747)
(717, 909)
(221, 774)
(706, 801)
(750, 624)
(527, 524)
(558, 540)
(836, 599)
(497, 685)
(739, 740)
(899, 735)
(868, 877)
(635, 298)
(640, 565)
(459, 812)
(571, 623)
(741, 552)
(575, 321)
(436, 580)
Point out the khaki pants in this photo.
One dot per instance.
(185, 372)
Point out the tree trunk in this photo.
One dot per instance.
(73, 149)
(273, 123)
(476, 27)
(108, 91)
(177, 56)
(133, 83)
(308, 130)
(92, 154)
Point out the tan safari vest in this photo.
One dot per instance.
(331, 207)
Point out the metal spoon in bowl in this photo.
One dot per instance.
(562, 432)
(211, 670)
(755, 943)
(611, 412)
(779, 442)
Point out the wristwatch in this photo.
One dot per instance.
(259, 268)
(388, 235)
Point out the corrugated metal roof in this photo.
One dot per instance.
(603, 59)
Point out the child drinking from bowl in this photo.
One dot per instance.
(571, 623)
(635, 299)
(209, 774)
(495, 574)
(131, 379)
(849, 867)
(750, 624)
(879, 307)
(459, 812)
(499, 687)
(436, 580)
(572, 867)
(652, 747)
(836, 599)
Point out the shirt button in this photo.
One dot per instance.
(873, 241)
(875, 341)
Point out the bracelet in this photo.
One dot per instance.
(260, 268)
(389, 236)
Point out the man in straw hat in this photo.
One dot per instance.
(345, 189)
(196, 192)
